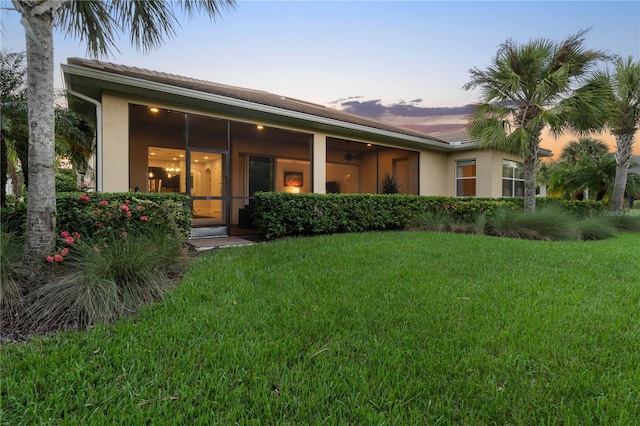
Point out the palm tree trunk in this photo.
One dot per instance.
(530, 185)
(41, 201)
(623, 159)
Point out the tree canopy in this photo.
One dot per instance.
(531, 86)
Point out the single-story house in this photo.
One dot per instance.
(220, 144)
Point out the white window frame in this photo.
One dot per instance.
(512, 179)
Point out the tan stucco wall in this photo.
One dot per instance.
(433, 173)
(115, 143)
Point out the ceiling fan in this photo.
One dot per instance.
(348, 157)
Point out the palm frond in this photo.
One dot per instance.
(149, 23)
(91, 23)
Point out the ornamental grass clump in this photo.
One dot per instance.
(548, 223)
(430, 221)
(596, 228)
(624, 220)
(10, 255)
(102, 279)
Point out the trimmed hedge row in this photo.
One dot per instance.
(279, 214)
(98, 212)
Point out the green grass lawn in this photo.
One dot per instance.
(383, 328)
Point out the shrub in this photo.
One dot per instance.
(14, 218)
(281, 214)
(429, 221)
(623, 220)
(133, 213)
(10, 255)
(480, 224)
(578, 208)
(101, 279)
(546, 223)
(66, 181)
(595, 228)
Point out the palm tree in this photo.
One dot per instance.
(595, 174)
(13, 126)
(624, 120)
(527, 87)
(98, 24)
(574, 151)
(74, 139)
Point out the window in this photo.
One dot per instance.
(466, 178)
(512, 179)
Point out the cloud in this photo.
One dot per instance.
(374, 108)
(340, 101)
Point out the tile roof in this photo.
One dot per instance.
(457, 136)
(248, 95)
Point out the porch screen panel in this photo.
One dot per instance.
(207, 132)
(261, 174)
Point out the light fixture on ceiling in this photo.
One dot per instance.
(260, 127)
(171, 171)
(154, 109)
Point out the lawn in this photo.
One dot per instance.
(380, 328)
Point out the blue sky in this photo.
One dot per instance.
(395, 52)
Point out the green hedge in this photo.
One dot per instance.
(279, 214)
(99, 212)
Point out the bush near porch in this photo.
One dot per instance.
(284, 214)
(97, 212)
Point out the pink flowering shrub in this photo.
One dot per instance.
(101, 216)
(66, 242)
(96, 214)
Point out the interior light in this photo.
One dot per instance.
(154, 109)
(181, 155)
(206, 158)
(260, 126)
(153, 153)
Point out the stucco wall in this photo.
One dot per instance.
(115, 143)
(433, 173)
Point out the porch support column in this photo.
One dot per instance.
(433, 174)
(115, 144)
(319, 163)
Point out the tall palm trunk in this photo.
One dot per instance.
(530, 173)
(623, 159)
(530, 185)
(41, 201)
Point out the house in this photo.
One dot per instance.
(220, 144)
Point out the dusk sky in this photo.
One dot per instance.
(389, 60)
